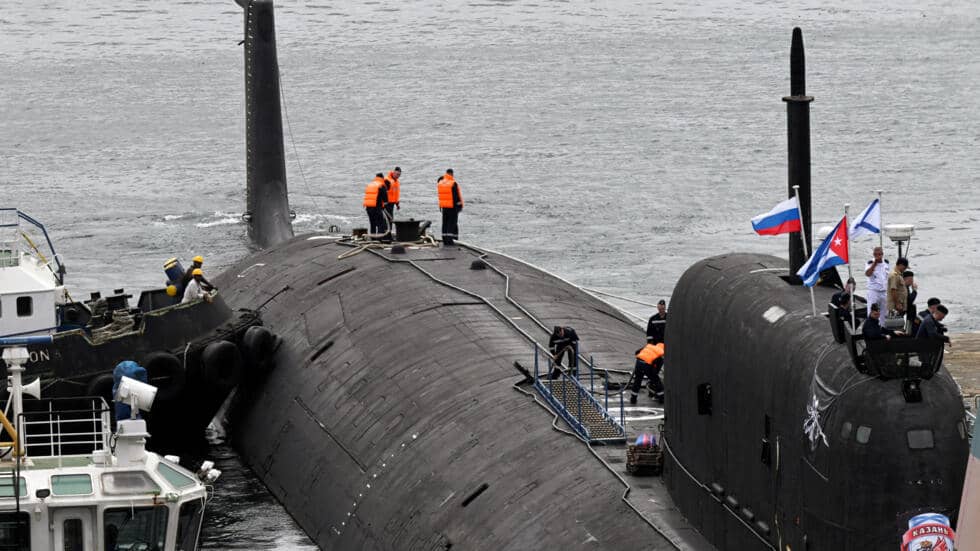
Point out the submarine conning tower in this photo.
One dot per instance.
(267, 209)
(798, 137)
(776, 439)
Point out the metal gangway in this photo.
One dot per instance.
(575, 403)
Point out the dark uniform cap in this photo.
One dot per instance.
(934, 301)
(875, 307)
(662, 301)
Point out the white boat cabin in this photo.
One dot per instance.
(67, 483)
(30, 286)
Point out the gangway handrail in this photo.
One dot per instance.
(582, 393)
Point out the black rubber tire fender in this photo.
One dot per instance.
(166, 372)
(257, 345)
(221, 364)
(101, 385)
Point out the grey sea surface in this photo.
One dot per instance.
(613, 143)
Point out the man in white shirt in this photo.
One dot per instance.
(195, 288)
(877, 273)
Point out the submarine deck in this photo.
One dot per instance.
(647, 495)
(397, 370)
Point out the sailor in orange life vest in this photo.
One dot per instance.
(649, 360)
(375, 197)
(394, 189)
(450, 203)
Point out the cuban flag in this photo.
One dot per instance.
(832, 252)
(783, 218)
(868, 222)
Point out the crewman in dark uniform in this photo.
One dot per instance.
(657, 324)
(912, 288)
(842, 301)
(872, 328)
(931, 306)
(649, 360)
(931, 327)
(375, 198)
(450, 203)
(563, 342)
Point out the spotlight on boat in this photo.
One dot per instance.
(175, 459)
(137, 394)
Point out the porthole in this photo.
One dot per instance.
(845, 430)
(863, 434)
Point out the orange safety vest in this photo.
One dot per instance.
(651, 352)
(371, 193)
(394, 188)
(446, 193)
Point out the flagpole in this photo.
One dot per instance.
(806, 253)
(881, 226)
(849, 274)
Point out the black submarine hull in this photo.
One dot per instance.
(742, 467)
(392, 418)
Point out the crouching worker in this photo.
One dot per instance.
(196, 288)
(563, 342)
(649, 361)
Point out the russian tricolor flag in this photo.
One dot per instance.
(783, 218)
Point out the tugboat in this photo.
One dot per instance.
(195, 352)
(68, 482)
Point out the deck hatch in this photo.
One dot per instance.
(128, 482)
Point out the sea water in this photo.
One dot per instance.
(613, 143)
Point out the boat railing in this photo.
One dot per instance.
(66, 427)
(896, 358)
